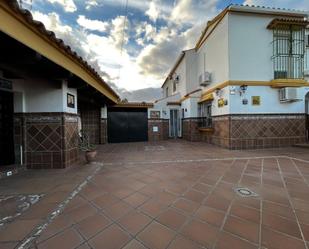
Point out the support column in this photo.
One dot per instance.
(51, 140)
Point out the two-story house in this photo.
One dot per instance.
(246, 82)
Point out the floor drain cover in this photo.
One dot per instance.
(245, 192)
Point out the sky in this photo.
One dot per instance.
(134, 45)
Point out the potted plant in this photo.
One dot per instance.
(87, 147)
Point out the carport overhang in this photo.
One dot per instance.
(134, 105)
(18, 24)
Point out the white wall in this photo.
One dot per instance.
(169, 85)
(65, 91)
(181, 72)
(40, 95)
(250, 47)
(104, 112)
(162, 106)
(192, 83)
(216, 53)
(215, 110)
(190, 105)
(269, 101)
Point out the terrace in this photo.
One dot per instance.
(171, 194)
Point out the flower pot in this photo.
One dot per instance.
(90, 156)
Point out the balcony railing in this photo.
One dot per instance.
(205, 122)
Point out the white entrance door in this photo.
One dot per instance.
(174, 123)
(307, 114)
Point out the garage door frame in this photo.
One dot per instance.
(127, 125)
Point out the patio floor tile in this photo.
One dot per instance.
(105, 200)
(186, 205)
(195, 196)
(172, 219)
(118, 210)
(200, 232)
(156, 236)
(227, 241)
(136, 199)
(153, 208)
(175, 198)
(246, 213)
(67, 239)
(210, 215)
(242, 228)
(273, 208)
(92, 225)
(18, 230)
(110, 238)
(275, 240)
(183, 243)
(283, 225)
(134, 244)
(218, 202)
(134, 222)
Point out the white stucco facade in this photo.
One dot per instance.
(237, 47)
(40, 95)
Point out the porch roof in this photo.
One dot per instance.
(287, 21)
(19, 24)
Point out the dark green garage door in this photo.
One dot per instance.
(127, 125)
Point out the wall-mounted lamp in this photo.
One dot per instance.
(164, 112)
(243, 89)
(218, 91)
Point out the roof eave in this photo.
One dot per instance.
(19, 24)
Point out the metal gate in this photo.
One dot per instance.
(6, 128)
(127, 125)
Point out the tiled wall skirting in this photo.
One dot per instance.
(162, 126)
(250, 131)
(50, 140)
(103, 131)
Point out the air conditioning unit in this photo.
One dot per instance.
(288, 94)
(204, 79)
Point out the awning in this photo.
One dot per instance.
(280, 22)
(207, 97)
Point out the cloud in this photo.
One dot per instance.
(291, 4)
(184, 25)
(134, 53)
(153, 11)
(145, 32)
(91, 3)
(92, 24)
(68, 5)
(77, 39)
(191, 11)
(118, 34)
(52, 22)
(157, 59)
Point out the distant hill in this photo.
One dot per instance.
(147, 94)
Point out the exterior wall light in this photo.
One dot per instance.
(218, 91)
(243, 89)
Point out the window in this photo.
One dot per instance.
(174, 86)
(205, 119)
(288, 51)
(166, 92)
